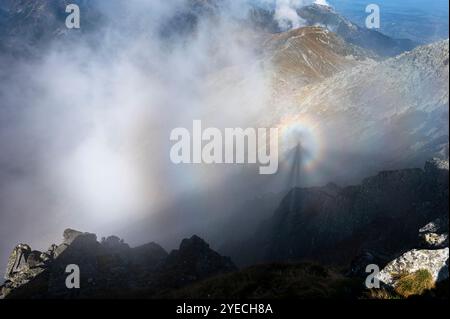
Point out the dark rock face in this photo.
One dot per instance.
(109, 268)
(193, 261)
(380, 217)
(148, 254)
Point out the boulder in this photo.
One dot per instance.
(436, 226)
(434, 241)
(434, 235)
(434, 261)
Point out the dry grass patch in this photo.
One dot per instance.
(414, 284)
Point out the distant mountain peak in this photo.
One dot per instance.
(369, 39)
(310, 54)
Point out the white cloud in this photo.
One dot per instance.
(286, 12)
(321, 2)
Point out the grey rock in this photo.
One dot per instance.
(109, 267)
(435, 261)
(432, 227)
(434, 235)
(60, 249)
(70, 235)
(434, 241)
(437, 164)
(49, 254)
(34, 259)
(17, 260)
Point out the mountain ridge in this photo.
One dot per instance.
(363, 227)
(333, 224)
(109, 268)
(369, 39)
(398, 106)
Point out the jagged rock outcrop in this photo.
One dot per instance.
(17, 261)
(109, 268)
(192, 261)
(47, 269)
(23, 265)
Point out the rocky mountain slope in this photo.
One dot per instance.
(109, 268)
(371, 116)
(387, 115)
(263, 18)
(306, 55)
(335, 224)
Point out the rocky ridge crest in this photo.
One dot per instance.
(109, 268)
